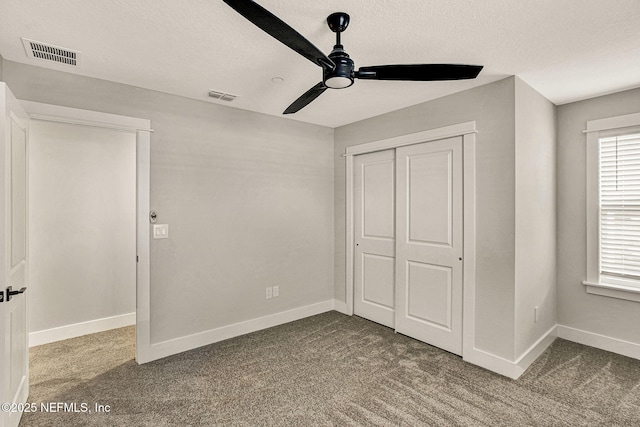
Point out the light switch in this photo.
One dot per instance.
(160, 231)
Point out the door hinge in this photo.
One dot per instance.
(1, 296)
(137, 260)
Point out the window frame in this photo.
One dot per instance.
(595, 283)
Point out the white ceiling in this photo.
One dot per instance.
(566, 49)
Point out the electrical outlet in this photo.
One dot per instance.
(269, 292)
(276, 291)
(535, 314)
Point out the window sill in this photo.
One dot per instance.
(614, 291)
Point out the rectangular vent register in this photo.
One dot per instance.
(48, 52)
(222, 95)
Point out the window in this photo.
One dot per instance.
(613, 207)
(620, 206)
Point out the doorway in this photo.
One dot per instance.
(93, 243)
(82, 217)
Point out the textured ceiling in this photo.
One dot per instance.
(566, 49)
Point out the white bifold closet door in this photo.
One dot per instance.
(408, 254)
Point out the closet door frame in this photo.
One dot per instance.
(467, 131)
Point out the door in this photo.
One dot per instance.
(429, 243)
(374, 222)
(14, 366)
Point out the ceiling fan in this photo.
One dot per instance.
(338, 71)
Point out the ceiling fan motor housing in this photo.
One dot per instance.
(343, 74)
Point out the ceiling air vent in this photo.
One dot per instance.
(49, 52)
(222, 96)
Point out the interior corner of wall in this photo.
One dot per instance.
(340, 306)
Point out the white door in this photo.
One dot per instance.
(429, 243)
(374, 210)
(14, 362)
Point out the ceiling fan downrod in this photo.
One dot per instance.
(342, 76)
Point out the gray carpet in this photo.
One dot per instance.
(327, 370)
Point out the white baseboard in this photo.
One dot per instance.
(79, 329)
(340, 307)
(508, 368)
(178, 345)
(515, 369)
(490, 361)
(602, 342)
(532, 353)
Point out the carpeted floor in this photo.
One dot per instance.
(326, 370)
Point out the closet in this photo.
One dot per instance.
(408, 240)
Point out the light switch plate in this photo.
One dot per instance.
(160, 231)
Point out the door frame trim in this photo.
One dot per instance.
(142, 129)
(467, 131)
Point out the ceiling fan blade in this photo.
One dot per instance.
(419, 72)
(279, 30)
(306, 98)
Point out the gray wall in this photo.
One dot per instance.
(492, 107)
(535, 269)
(248, 198)
(593, 313)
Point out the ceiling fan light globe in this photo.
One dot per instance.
(338, 82)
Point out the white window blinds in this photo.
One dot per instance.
(620, 206)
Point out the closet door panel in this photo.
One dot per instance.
(374, 224)
(429, 243)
